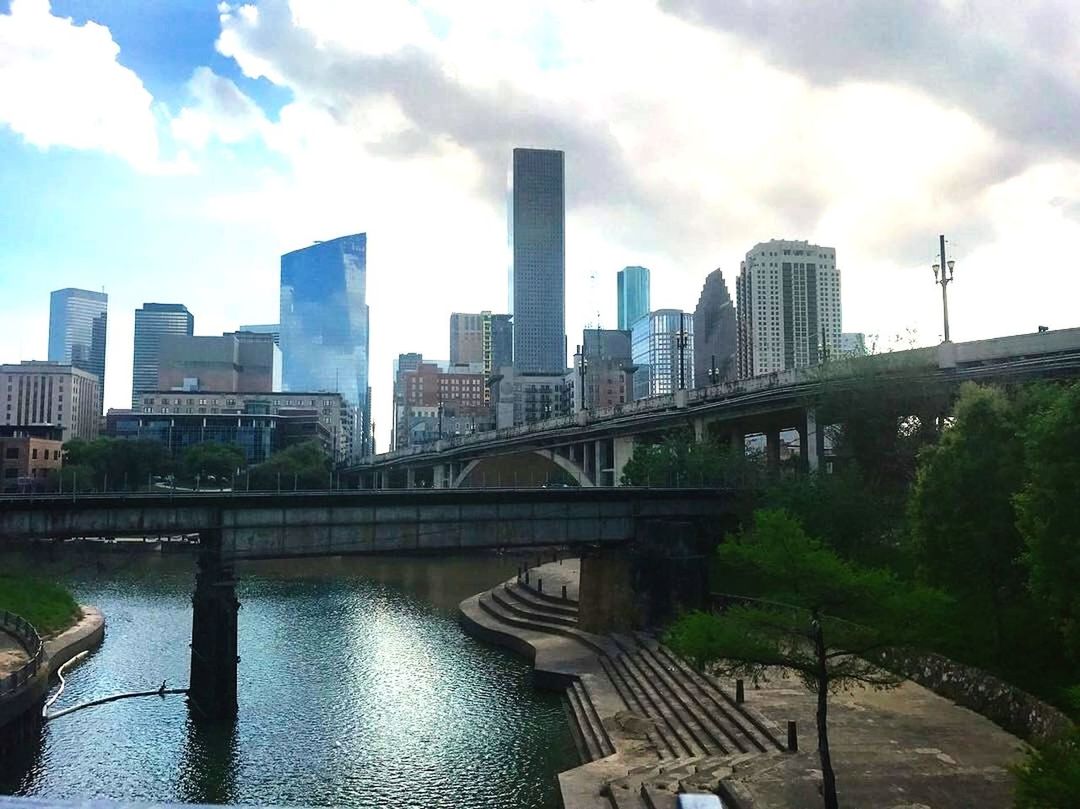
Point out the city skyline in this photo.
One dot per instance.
(196, 148)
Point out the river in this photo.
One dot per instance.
(356, 688)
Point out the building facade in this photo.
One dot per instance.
(152, 322)
(238, 362)
(78, 320)
(324, 324)
(538, 255)
(455, 398)
(715, 333)
(273, 329)
(520, 399)
(27, 456)
(331, 410)
(788, 307)
(466, 337)
(853, 344)
(633, 292)
(609, 368)
(498, 342)
(662, 345)
(48, 393)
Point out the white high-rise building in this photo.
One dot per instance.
(788, 307)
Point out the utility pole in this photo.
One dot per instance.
(945, 279)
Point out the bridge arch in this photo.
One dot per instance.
(530, 468)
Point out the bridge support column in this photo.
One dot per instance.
(212, 689)
(699, 430)
(410, 478)
(772, 448)
(603, 464)
(438, 476)
(622, 450)
(605, 592)
(811, 441)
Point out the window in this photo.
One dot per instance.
(11, 452)
(33, 453)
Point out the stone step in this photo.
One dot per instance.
(575, 731)
(657, 707)
(596, 724)
(508, 602)
(660, 740)
(726, 735)
(760, 733)
(592, 745)
(595, 643)
(625, 797)
(656, 797)
(526, 594)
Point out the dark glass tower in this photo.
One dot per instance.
(538, 269)
(633, 289)
(714, 333)
(77, 325)
(324, 324)
(152, 322)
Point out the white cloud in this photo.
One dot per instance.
(61, 85)
(219, 110)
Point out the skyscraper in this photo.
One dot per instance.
(273, 329)
(77, 326)
(152, 322)
(714, 332)
(789, 307)
(324, 324)
(538, 269)
(466, 338)
(633, 291)
(662, 346)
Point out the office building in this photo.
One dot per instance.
(273, 329)
(456, 393)
(538, 254)
(466, 337)
(27, 456)
(788, 307)
(241, 361)
(520, 399)
(662, 347)
(330, 410)
(152, 322)
(715, 339)
(498, 342)
(633, 292)
(49, 393)
(853, 344)
(324, 324)
(609, 369)
(77, 330)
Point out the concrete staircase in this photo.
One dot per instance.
(695, 732)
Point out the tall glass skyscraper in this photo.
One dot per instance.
(77, 325)
(538, 270)
(662, 347)
(633, 288)
(152, 322)
(324, 324)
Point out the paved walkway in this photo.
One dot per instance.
(12, 654)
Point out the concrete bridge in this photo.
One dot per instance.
(592, 447)
(668, 524)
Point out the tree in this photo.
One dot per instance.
(72, 477)
(1049, 777)
(1048, 510)
(800, 607)
(213, 459)
(305, 466)
(962, 520)
(679, 460)
(118, 463)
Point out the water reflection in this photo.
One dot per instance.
(356, 687)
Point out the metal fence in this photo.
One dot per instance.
(21, 629)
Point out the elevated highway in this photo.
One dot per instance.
(592, 447)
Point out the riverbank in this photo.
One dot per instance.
(47, 606)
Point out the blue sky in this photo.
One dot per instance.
(171, 151)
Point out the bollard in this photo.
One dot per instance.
(792, 737)
(539, 584)
(739, 695)
(564, 592)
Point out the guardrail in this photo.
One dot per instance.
(24, 632)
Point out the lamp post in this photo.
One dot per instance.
(680, 341)
(714, 372)
(581, 369)
(940, 277)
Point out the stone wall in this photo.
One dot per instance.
(1008, 706)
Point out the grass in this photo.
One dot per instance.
(48, 606)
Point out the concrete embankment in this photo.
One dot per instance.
(20, 713)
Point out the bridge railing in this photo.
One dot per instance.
(21, 629)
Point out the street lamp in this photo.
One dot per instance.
(714, 372)
(680, 341)
(581, 369)
(941, 278)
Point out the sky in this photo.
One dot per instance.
(172, 151)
